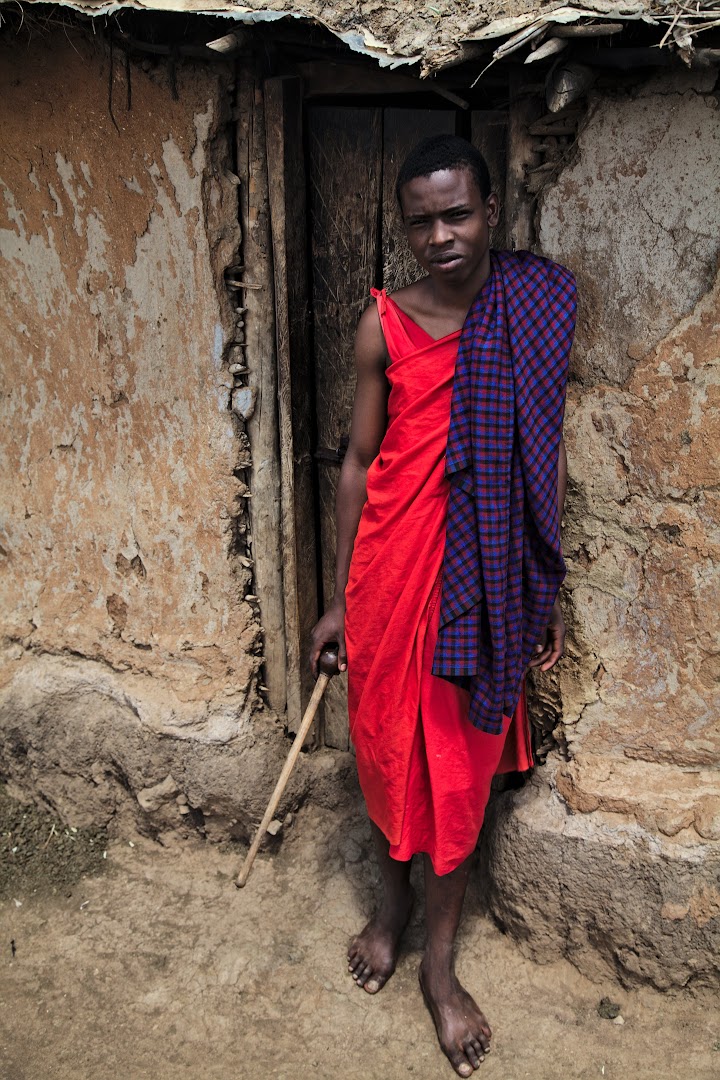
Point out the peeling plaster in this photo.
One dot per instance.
(637, 216)
(117, 428)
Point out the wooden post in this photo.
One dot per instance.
(489, 135)
(286, 186)
(262, 426)
(525, 108)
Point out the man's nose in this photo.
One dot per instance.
(440, 233)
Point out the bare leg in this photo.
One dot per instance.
(462, 1029)
(373, 954)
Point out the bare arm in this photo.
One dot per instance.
(551, 650)
(369, 420)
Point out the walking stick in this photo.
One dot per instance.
(328, 665)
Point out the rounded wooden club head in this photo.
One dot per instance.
(328, 662)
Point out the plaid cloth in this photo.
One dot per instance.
(503, 563)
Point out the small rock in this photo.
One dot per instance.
(707, 818)
(288, 821)
(243, 401)
(350, 850)
(152, 798)
(274, 827)
(619, 1020)
(328, 985)
(608, 1009)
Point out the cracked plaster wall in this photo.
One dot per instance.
(637, 216)
(634, 869)
(128, 650)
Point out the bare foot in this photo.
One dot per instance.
(462, 1030)
(373, 954)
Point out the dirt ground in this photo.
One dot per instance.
(154, 965)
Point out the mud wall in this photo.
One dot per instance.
(129, 652)
(633, 872)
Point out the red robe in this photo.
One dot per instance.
(425, 771)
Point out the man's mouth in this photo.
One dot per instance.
(446, 259)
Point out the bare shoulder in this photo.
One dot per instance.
(370, 348)
(414, 297)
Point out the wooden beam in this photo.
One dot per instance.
(262, 426)
(328, 79)
(525, 108)
(489, 135)
(287, 195)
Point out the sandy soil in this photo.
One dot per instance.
(159, 968)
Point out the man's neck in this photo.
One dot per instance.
(449, 296)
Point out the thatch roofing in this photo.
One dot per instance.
(440, 33)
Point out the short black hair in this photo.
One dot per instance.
(444, 152)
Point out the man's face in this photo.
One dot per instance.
(448, 223)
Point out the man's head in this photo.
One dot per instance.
(442, 152)
(448, 210)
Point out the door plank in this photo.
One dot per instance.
(489, 134)
(403, 128)
(287, 195)
(525, 108)
(344, 161)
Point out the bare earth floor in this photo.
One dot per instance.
(159, 969)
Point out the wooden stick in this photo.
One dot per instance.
(322, 680)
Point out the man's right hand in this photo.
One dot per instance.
(330, 628)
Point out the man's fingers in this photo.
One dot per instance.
(555, 649)
(540, 657)
(318, 647)
(555, 655)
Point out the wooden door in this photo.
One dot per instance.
(345, 172)
(357, 241)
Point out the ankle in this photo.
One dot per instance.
(438, 960)
(397, 898)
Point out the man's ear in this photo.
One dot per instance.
(492, 205)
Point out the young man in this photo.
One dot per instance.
(448, 555)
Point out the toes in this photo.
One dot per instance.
(472, 1055)
(475, 1053)
(480, 1050)
(461, 1065)
(357, 967)
(362, 973)
(374, 984)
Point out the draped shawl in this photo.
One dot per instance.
(503, 563)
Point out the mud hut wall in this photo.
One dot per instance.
(124, 568)
(636, 214)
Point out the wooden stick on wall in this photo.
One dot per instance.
(287, 195)
(262, 426)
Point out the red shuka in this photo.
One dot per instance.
(425, 771)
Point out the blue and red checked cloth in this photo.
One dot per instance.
(503, 563)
